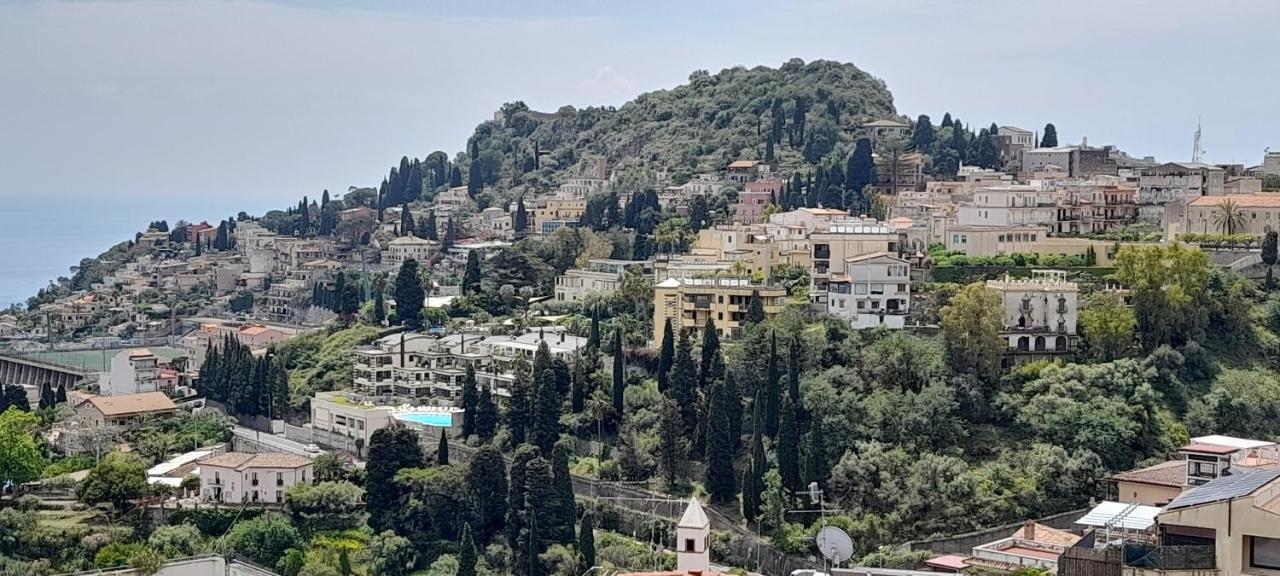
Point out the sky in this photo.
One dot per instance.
(253, 103)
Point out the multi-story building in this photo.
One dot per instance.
(1164, 190)
(874, 290)
(1199, 462)
(409, 247)
(752, 250)
(831, 246)
(582, 187)
(690, 302)
(1010, 206)
(133, 371)
(1271, 163)
(125, 410)
(286, 300)
(897, 173)
(342, 420)
(754, 198)
(1040, 159)
(600, 276)
(743, 171)
(1013, 141)
(1040, 314)
(238, 477)
(1229, 526)
(881, 130)
(562, 208)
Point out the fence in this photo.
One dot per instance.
(1081, 561)
(1171, 557)
(963, 543)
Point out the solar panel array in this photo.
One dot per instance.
(1238, 484)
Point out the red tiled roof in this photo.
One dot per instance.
(1209, 449)
(1240, 200)
(1169, 473)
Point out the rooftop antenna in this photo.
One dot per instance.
(1196, 151)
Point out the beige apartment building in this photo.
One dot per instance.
(599, 277)
(690, 302)
(1229, 526)
(752, 246)
(832, 246)
(559, 208)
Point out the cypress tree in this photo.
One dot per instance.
(429, 226)
(379, 308)
(815, 454)
(442, 449)
(450, 234)
(407, 227)
(524, 454)
(720, 482)
(466, 553)
(755, 309)
(593, 335)
(487, 481)
(62, 394)
(545, 412)
(619, 372)
(471, 275)
(793, 380)
(536, 533)
(684, 383)
(1050, 137)
(773, 389)
(344, 562)
(710, 350)
(789, 448)
(666, 356)
(578, 390)
(587, 540)
(520, 222)
(673, 448)
(518, 409)
(946, 120)
(470, 399)
(486, 415)
(753, 475)
(922, 136)
(455, 176)
(564, 511)
(859, 171)
(409, 295)
(47, 399)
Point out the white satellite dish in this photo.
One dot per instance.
(834, 544)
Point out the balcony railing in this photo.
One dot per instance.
(1170, 557)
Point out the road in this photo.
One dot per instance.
(272, 442)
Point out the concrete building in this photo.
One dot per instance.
(1013, 141)
(693, 540)
(409, 247)
(752, 250)
(754, 198)
(689, 302)
(1164, 190)
(237, 477)
(1040, 314)
(133, 371)
(1271, 163)
(880, 130)
(832, 245)
(1199, 462)
(1009, 206)
(558, 208)
(743, 171)
(600, 276)
(343, 415)
(874, 290)
(1204, 215)
(124, 410)
(1230, 526)
(287, 300)
(896, 174)
(1040, 159)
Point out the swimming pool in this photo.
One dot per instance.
(438, 419)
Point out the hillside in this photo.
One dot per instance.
(810, 110)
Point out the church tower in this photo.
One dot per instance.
(693, 539)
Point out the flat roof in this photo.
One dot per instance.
(1232, 441)
(1119, 515)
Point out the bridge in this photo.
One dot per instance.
(20, 370)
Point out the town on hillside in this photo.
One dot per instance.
(827, 340)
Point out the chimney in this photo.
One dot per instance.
(1029, 530)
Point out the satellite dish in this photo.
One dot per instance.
(834, 544)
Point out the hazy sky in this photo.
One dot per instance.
(263, 102)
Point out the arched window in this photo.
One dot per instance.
(1023, 343)
(1060, 343)
(1039, 342)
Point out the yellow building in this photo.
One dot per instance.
(557, 208)
(689, 302)
(751, 245)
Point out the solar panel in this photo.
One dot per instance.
(1238, 484)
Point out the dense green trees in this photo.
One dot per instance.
(390, 451)
(1168, 286)
(264, 539)
(20, 459)
(487, 480)
(246, 384)
(325, 506)
(971, 325)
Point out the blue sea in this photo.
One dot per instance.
(41, 238)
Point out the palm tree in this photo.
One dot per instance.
(1228, 216)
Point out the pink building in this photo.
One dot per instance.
(754, 198)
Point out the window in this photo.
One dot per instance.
(862, 304)
(877, 288)
(859, 288)
(1264, 552)
(279, 478)
(279, 496)
(688, 545)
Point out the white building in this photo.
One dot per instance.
(1041, 159)
(875, 290)
(600, 276)
(133, 371)
(693, 540)
(237, 477)
(1004, 206)
(1040, 314)
(408, 248)
(1164, 190)
(337, 415)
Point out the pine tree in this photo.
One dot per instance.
(619, 372)
(673, 447)
(471, 275)
(466, 553)
(587, 540)
(564, 510)
(789, 447)
(666, 356)
(1050, 137)
(409, 295)
(470, 399)
(442, 449)
(922, 136)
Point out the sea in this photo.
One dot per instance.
(41, 238)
